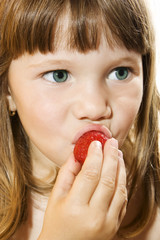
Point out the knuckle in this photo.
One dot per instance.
(74, 212)
(114, 157)
(122, 190)
(96, 225)
(91, 174)
(108, 182)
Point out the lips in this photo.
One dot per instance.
(91, 127)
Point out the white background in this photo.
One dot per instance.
(154, 6)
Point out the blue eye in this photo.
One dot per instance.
(58, 76)
(120, 73)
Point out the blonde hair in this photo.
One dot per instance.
(28, 26)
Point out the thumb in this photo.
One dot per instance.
(65, 178)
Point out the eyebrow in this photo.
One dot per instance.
(50, 62)
(129, 59)
(69, 63)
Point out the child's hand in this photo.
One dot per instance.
(88, 204)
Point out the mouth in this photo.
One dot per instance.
(91, 127)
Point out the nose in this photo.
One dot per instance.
(92, 103)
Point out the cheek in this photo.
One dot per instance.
(44, 125)
(41, 114)
(126, 108)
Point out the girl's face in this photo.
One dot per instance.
(60, 95)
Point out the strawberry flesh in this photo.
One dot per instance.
(82, 144)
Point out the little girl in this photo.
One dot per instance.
(66, 68)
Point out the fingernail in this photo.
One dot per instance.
(120, 153)
(97, 144)
(114, 142)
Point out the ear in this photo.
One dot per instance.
(11, 102)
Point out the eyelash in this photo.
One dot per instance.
(115, 70)
(61, 73)
(112, 72)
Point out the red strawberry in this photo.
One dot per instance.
(82, 145)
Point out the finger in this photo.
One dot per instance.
(106, 187)
(87, 180)
(65, 178)
(123, 212)
(119, 201)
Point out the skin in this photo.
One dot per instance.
(90, 200)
